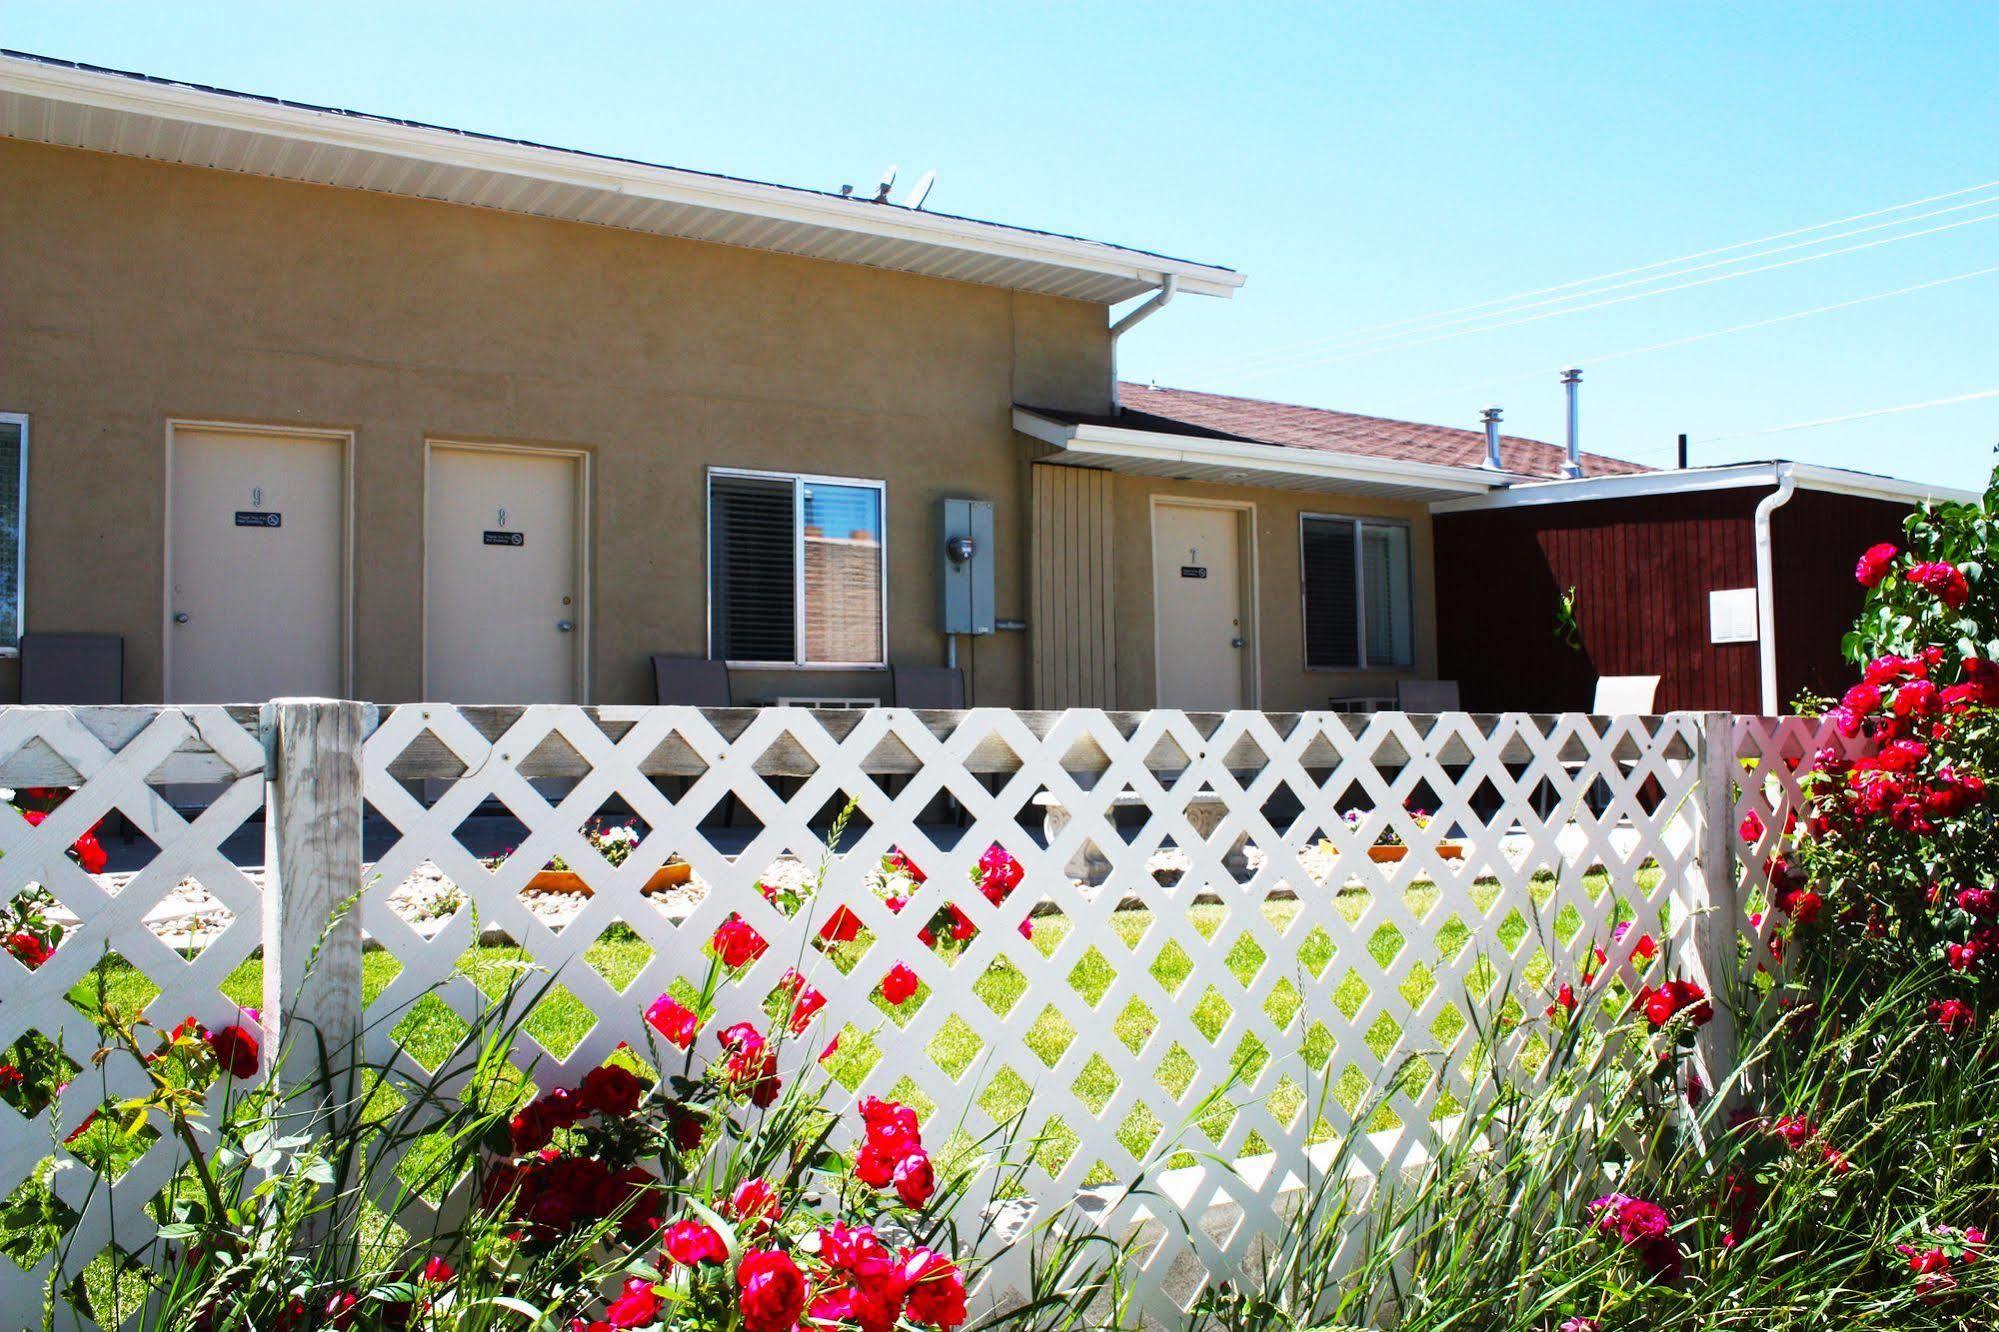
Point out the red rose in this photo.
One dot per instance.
(914, 1179)
(30, 951)
(1954, 1016)
(235, 1051)
(530, 1128)
(753, 1205)
(843, 926)
(890, 1123)
(691, 1242)
(737, 943)
(805, 1001)
(611, 1090)
(899, 984)
(10, 1077)
(90, 854)
(773, 1290)
(674, 1020)
(689, 1130)
(437, 1272)
(636, 1306)
(1874, 565)
(874, 1165)
(340, 1309)
(936, 1289)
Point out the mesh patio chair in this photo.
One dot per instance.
(72, 668)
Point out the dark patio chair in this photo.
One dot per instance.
(694, 682)
(1426, 696)
(72, 668)
(940, 688)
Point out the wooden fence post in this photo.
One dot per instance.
(312, 868)
(1718, 902)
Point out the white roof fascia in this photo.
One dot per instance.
(1833, 480)
(1119, 441)
(101, 92)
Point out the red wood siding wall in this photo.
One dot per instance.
(1815, 541)
(1642, 569)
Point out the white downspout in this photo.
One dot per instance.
(1766, 610)
(1169, 285)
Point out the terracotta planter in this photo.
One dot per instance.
(569, 881)
(1385, 855)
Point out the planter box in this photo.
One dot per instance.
(569, 881)
(1384, 855)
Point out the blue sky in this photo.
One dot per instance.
(1362, 164)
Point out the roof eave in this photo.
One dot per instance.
(1254, 460)
(1127, 272)
(1832, 480)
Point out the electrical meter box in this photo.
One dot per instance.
(965, 558)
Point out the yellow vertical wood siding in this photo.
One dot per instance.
(1073, 615)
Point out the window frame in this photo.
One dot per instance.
(1361, 522)
(20, 540)
(799, 481)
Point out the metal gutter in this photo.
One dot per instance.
(1784, 475)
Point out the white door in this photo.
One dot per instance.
(503, 613)
(1197, 596)
(256, 603)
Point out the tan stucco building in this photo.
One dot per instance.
(317, 402)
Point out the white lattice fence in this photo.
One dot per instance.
(1237, 917)
(1775, 756)
(1317, 970)
(116, 762)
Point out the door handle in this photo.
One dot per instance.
(180, 617)
(1235, 642)
(564, 626)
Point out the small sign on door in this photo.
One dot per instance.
(1193, 571)
(258, 518)
(505, 538)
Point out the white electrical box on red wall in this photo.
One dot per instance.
(1731, 615)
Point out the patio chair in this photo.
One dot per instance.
(935, 688)
(72, 668)
(941, 688)
(694, 682)
(1426, 696)
(1625, 695)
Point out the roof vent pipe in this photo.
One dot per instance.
(1491, 418)
(1571, 378)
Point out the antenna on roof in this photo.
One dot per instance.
(916, 196)
(887, 184)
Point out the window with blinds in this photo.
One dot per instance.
(1358, 599)
(795, 570)
(13, 501)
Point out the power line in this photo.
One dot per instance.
(1854, 416)
(1405, 322)
(1594, 288)
(1606, 358)
(1635, 296)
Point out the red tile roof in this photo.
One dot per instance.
(1183, 411)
